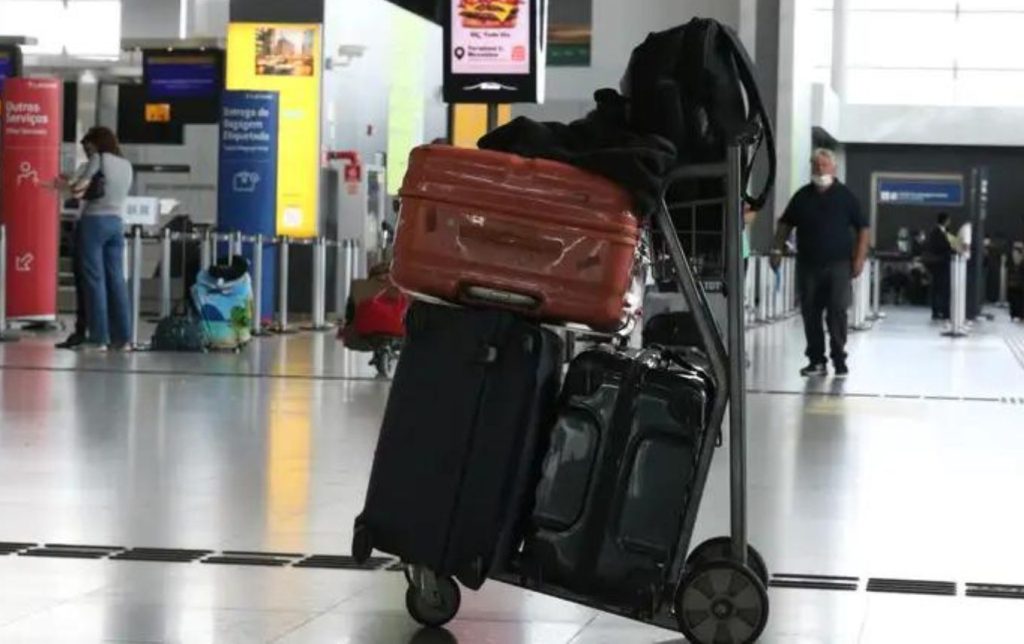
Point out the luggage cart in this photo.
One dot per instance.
(718, 593)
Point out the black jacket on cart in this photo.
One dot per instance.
(601, 143)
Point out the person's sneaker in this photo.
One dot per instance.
(814, 369)
(71, 342)
(842, 370)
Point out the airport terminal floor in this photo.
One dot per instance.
(909, 470)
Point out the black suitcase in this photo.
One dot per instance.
(618, 474)
(453, 475)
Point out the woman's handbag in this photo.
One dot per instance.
(97, 187)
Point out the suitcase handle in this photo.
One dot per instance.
(510, 299)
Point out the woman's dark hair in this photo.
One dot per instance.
(943, 218)
(103, 139)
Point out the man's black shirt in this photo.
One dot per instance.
(939, 249)
(825, 223)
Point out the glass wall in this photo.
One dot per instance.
(932, 52)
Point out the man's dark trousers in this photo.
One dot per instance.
(941, 290)
(825, 290)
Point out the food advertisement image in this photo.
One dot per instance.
(489, 14)
(284, 52)
(491, 37)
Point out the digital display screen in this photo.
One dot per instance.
(284, 52)
(183, 75)
(158, 113)
(490, 37)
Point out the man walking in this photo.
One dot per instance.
(832, 247)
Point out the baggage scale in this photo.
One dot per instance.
(718, 593)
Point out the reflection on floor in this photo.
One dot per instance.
(908, 469)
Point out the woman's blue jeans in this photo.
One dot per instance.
(102, 252)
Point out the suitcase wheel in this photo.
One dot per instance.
(721, 548)
(435, 604)
(721, 602)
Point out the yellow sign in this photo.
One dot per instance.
(470, 123)
(158, 112)
(286, 58)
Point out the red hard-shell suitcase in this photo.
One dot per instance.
(546, 239)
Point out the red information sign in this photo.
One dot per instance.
(30, 159)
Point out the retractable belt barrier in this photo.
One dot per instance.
(350, 265)
(770, 294)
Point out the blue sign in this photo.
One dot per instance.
(247, 186)
(938, 193)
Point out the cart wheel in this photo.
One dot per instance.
(362, 544)
(721, 602)
(436, 609)
(721, 548)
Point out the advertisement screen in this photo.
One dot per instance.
(284, 51)
(182, 75)
(158, 112)
(490, 37)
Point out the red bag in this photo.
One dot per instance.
(383, 314)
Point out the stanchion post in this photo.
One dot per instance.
(323, 285)
(860, 303)
(876, 289)
(136, 282)
(361, 260)
(215, 249)
(748, 290)
(321, 263)
(791, 286)
(764, 267)
(776, 281)
(204, 250)
(340, 288)
(257, 285)
(958, 303)
(165, 274)
(1004, 277)
(318, 299)
(282, 302)
(346, 246)
(4, 333)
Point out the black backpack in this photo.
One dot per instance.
(695, 86)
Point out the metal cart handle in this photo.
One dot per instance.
(729, 373)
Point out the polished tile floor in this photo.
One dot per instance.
(911, 468)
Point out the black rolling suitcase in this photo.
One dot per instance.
(619, 473)
(474, 393)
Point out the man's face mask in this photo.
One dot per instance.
(823, 181)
